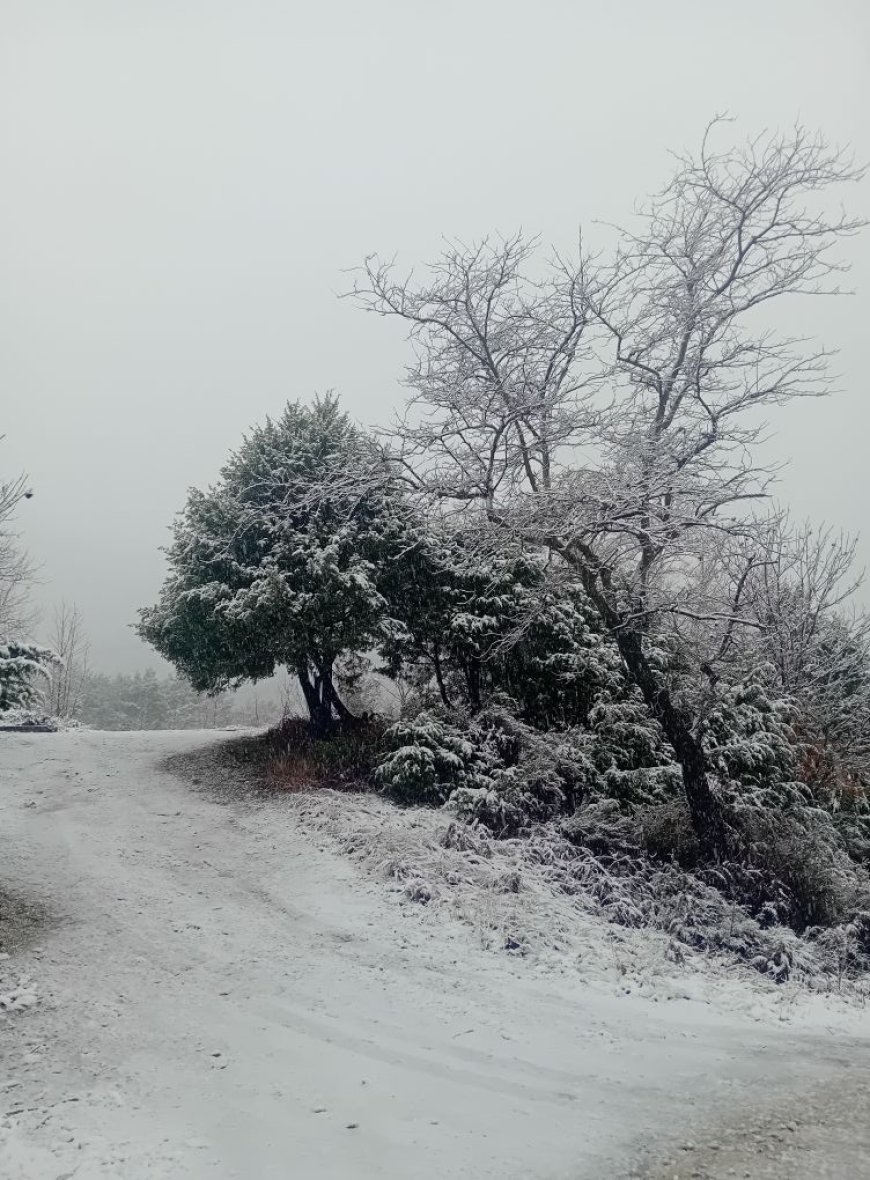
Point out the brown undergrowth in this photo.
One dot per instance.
(292, 758)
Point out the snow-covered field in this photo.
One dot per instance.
(219, 992)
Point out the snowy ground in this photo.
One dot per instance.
(220, 993)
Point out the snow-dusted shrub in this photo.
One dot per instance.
(739, 908)
(853, 829)
(492, 768)
(429, 759)
(658, 834)
(601, 854)
(626, 745)
(800, 849)
(630, 826)
(846, 948)
(526, 776)
(604, 829)
(667, 833)
(509, 798)
(749, 737)
(790, 874)
(25, 668)
(643, 785)
(35, 719)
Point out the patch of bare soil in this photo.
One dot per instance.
(21, 921)
(818, 1133)
(225, 771)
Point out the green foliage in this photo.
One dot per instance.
(748, 735)
(276, 564)
(305, 553)
(493, 768)
(480, 626)
(24, 670)
(629, 751)
(427, 760)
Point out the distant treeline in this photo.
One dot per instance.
(145, 700)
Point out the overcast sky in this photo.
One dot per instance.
(183, 182)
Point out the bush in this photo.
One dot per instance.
(494, 769)
(294, 758)
(800, 851)
(615, 788)
(791, 876)
(667, 833)
(24, 670)
(430, 758)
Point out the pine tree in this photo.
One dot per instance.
(276, 565)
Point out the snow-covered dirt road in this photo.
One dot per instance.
(221, 996)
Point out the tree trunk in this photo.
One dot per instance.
(319, 711)
(707, 818)
(334, 701)
(321, 698)
(439, 677)
(472, 679)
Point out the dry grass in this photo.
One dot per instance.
(22, 918)
(544, 896)
(290, 758)
(568, 893)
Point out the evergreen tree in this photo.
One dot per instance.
(277, 565)
(24, 670)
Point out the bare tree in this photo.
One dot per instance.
(818, 647)
(498, 390)
(70, 643)
(16, 570)
(808, 578)
(611, 412)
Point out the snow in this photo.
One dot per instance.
(22, 995)
(222, 992)
(509, 895)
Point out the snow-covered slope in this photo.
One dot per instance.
(220, 994)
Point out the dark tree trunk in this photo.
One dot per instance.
(334, 701)
(708, 820)
(439, 676)
(472, 679)
(322, 698)
(319, 710)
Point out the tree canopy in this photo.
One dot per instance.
(569, 530)
(270, 567)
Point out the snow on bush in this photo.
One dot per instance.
(620, 842)
(495, 769)
(543, 895)
(24, 669)
(430, 758)
(34, 719)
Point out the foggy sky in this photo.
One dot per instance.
(183, 184)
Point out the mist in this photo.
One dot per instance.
(187, 184)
